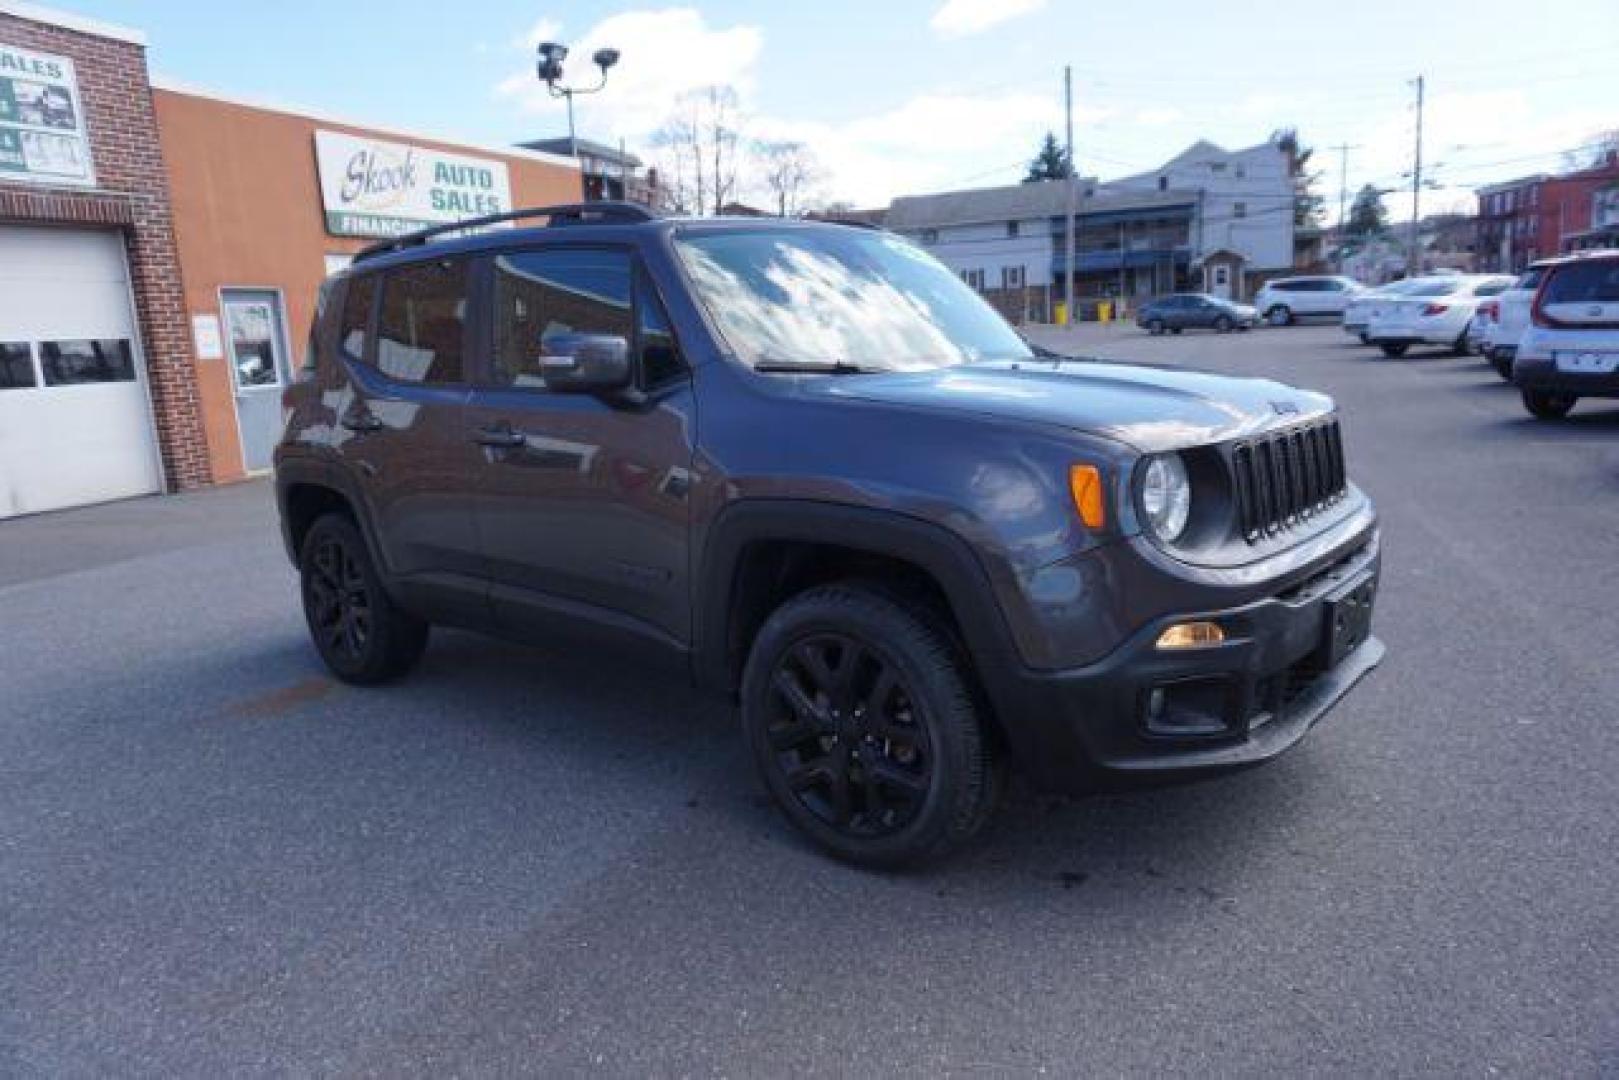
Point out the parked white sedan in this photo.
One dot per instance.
(1360, 310)
(1434, 311)
(1512, 318)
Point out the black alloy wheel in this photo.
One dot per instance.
(1223, 324)
(358, 631)
(863, 723)
(847, 738)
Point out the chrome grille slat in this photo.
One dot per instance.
(1285, 477)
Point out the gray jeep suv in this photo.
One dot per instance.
(807, 465)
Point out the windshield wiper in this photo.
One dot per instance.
(813, 367)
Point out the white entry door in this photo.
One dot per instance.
(256, 338)
(75, 420)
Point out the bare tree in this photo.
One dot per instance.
(699, 144)
(788, 169)
(1594, 152)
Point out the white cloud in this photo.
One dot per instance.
(960, 18)
(664, 54)
(929, 142)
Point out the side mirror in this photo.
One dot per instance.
(585, 363)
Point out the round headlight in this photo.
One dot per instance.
(1166, 496)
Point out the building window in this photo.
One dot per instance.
(1011, 230)
(68, 363)
(1239, 209)
(974, 278)
(930, 236)
(1011, 277)
(1242, 172)
(1163, 183)
(16, 365)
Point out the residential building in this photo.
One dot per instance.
(1534, 217)
(1604, 230)
(1245, 208)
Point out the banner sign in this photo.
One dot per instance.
(42, 134)
(374, 188)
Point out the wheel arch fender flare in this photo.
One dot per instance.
(943, 555)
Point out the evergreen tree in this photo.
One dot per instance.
(1367, 215)
(1051, 163)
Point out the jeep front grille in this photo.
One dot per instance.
(1285, 477)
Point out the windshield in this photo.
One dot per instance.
(840, 295)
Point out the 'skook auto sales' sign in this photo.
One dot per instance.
(375, 188)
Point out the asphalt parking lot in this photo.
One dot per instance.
(215, 861)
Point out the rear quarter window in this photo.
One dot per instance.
(358, 300)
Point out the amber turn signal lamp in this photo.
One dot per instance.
(1191, 635)
(1085, 482)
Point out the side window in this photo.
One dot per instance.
(540, 293)
(16, 365)
(422, 326)
(357, 303)
(660, 355)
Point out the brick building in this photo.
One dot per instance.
(93, 335)
(161, 251)
(1534, 217)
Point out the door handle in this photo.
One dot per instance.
(503, 436)
(361, 421)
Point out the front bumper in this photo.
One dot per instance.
(1542, 373)
(1260, 692)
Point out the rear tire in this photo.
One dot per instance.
(1155, 327)
(357, 629)
(1548, 404)
(861, 716)
(1459, 346)
(1279, 315)
(1502, 365)
(1394, 352)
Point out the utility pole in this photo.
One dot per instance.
(1343, 193)
(1414, 261)
(1073, 181)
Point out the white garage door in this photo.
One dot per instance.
(75, 423)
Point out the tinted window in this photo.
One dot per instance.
(1530, 280)
(1594, 282)
(16, 365)
(357, 303)
(422, 322)
(660, 356)
(541, 293)
(67, 363)
(1433, 288)
(1492, 288)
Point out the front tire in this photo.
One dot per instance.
(1548, 404)
(1394, 352)
(1280, 315)
(864, 726)
(358, 631)
(1223, 324)
(1155, 327)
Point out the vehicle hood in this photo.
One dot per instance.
(1149, 408)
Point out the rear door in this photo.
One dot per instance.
(402, 428)
(581, 500)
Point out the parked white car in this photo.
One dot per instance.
(1434, 311)
(1571, 349)
(1285, 299)
(1367, 303)
(1512, 318)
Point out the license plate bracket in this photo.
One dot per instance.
(1347, 618)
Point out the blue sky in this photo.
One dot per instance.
(902, 96)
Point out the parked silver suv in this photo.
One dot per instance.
(1285, 299)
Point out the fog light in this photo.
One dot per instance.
(1191, 635)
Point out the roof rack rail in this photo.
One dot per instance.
(560, 214)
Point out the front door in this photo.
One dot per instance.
(581, 505)
(255, 335)
(1222, 281)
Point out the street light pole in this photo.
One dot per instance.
(1072, 180)
(549, 70)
